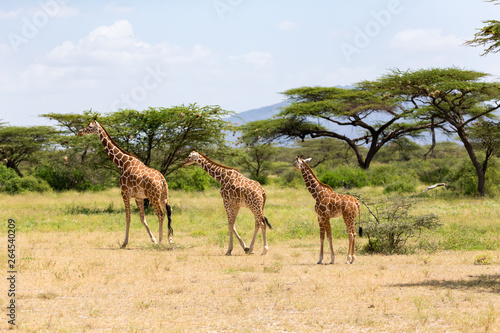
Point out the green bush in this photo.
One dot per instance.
(26, 184)
(6, 174)
(63, 178)
(392, 225)
(401, 186)
(191, 179)
(345, 176)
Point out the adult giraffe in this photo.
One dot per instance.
(329, 205)
(237, 191)
(137, 181)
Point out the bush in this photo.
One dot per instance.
(63, 178)
(345, 176)
(464, 178)
(191, 179)
(26, 184)
(393, 226)
(6, 174)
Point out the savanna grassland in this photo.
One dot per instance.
(74, 277)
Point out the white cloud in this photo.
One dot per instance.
(288, 25)
(115, 45)
(258, 59)
(411, 40)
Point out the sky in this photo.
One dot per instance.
(67, 56)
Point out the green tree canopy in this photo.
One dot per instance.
(455, 97)
(487, 36)
(160, 137)
(371, 117)
(18, 144)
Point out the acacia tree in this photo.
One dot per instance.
(456, 97)
(160, 137)
(487, 36)
(484, 136)
(19, 144)
(372, 118)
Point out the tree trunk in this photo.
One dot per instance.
(481, 178)
(14, 166)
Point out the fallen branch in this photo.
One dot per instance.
(436, 185)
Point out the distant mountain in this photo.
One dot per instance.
(262, 113)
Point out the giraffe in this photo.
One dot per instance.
(237, 191)
(137, 181)
(330, 205)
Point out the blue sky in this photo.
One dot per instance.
(67, 56)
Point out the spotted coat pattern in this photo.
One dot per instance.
(330, 205)
(137, 181)
(236, 191)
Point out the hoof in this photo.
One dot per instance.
(247, 250)
(228, 253)
(319, 263)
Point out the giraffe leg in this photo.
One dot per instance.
(352, 248)
(161, 216)
(329, 237)
(232, 213)
(140, 205)
(321, 241)
(350, 221)
(264, 239)
(126, 201)
(259, 218)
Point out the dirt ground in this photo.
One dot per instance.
(77, 281)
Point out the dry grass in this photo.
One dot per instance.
(77, 279)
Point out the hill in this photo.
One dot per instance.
(262, 113)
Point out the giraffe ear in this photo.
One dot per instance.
(192, 149)
(308, 159)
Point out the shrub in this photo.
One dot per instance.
(63, 178)
(191, 179)
(26, 184)
(345, 176)
(393, 226)
(290, 178)
(6, 174)
(464, 178)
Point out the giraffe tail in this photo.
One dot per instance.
(360, 228)
(267, 222)
(169, 216)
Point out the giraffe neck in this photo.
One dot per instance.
(217, 171)
(120, 157)
(312, 182)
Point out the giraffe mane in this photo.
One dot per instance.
(113, 142)
(314, 175)
(218, 164)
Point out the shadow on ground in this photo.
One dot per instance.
(484, 282)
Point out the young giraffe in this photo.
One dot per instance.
(237, 191)
(137, 181)
(330, 205)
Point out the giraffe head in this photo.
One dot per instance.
(92, 128)
(299, 162)
(193, 157)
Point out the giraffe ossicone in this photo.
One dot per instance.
(236, 191)
(137, 181)
(330, 205)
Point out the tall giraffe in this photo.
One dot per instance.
(330, 205)
(137, 181)
(237, 191)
